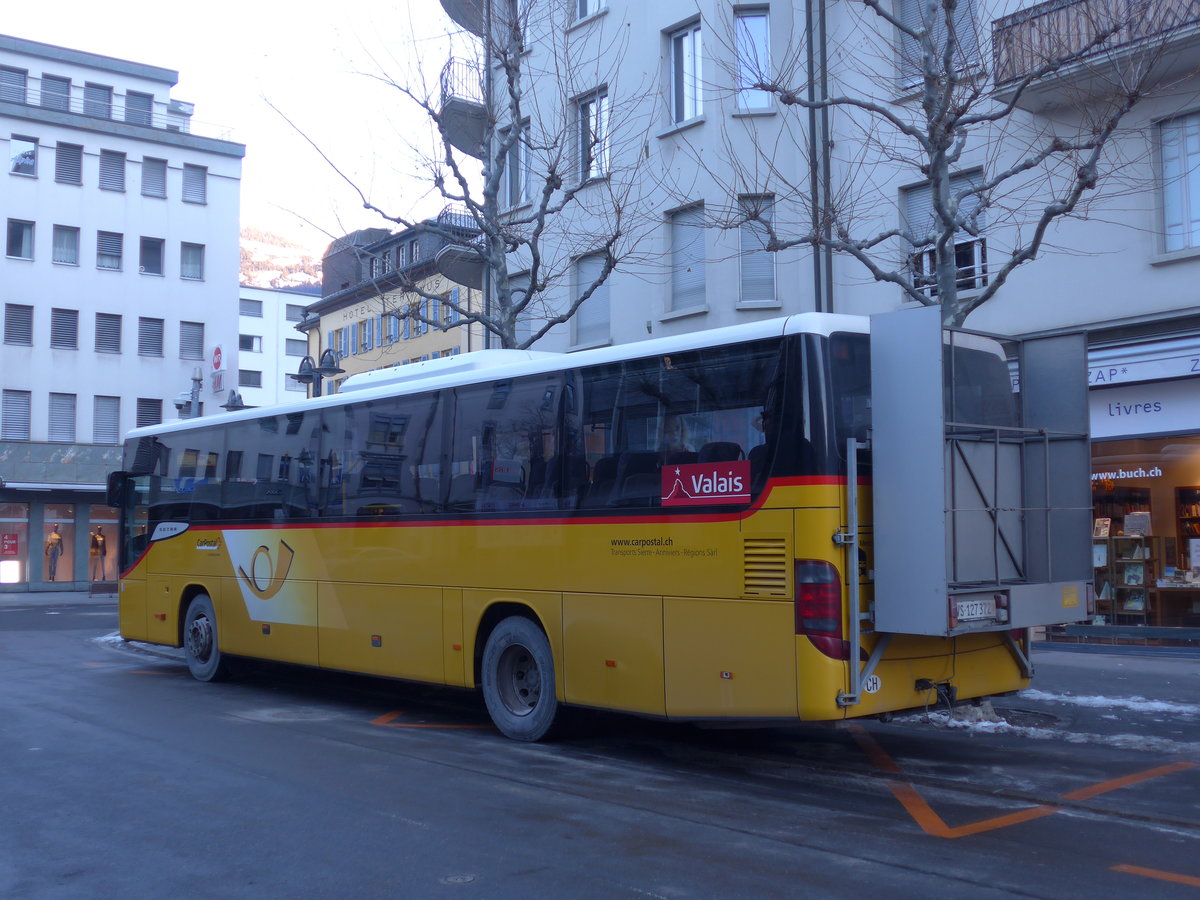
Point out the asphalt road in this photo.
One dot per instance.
(121, 776)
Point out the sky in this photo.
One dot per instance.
(317, 64)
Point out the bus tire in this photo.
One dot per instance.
(204, 658)
(518, 680)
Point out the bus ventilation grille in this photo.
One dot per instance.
(765, 566)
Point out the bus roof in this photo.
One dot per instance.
(491, 364)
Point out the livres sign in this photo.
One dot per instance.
(706, 484)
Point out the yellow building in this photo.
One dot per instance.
(383, 299)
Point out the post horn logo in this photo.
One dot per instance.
(263, 580)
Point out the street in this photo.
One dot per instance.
(124, 777)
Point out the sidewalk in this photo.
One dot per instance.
(56, 598)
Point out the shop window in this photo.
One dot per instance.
(58, 542)
(14, 543)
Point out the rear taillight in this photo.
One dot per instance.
(819, 607)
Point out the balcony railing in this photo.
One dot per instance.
(1064, 30)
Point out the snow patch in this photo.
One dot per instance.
(1133, 704)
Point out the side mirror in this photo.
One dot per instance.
(114, 494)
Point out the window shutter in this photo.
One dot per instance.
(149, 412)
(62, 418)
(191, 340)
(108, 249)
(758, 265)
(154, 177)
(97, 100)
(18, 324)
(195, 188)
(112, 170)
(295, 347)
(150, 337)
(252, 308)
(687, 258)
(12, 84)
(919, 216)
(454, 313)
(967, 52)
(56, 92)
(593, 317)
(68, 163)
(108, 333)
(106, 420)
(139, 108)
(64, 329)
(14, 415)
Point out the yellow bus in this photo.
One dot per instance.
(666, 529)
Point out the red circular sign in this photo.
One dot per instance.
(216, 359)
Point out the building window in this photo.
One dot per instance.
(97, 100)
(150, 337)
(252, 343)
(149, 412)
(912, 13)
(191, 340)
(687, 257)
(20, 239)
(592, 114)
(18, 324)
(252, 308)
(195, 184)
(14, 415)
(295, 347)
(62, 419)
(191, 263)
(150, 257)
(517, 171)
(12, 84)
(66, 245)
(686, 99)
(68, 163)
(112, 170)
(22, 155)
(109, 247)
(294, 312)
(64, 329)
(249, 378)
(56, 92)
(106, 420)
(593, 318)
(108, 333)
(1179, 140)
(139, 108)
(757, 263)
(753, 57)
(970, 254)
(154, 177)
(585, 8)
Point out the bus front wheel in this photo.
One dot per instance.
(518, 680)
(200, 645)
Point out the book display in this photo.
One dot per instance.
(1126, 567)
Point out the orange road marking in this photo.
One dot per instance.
(933, 824)
(388, 720)
(1105, 786)
(1174, 877)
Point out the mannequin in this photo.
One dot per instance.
(54, 549)
(97, 551)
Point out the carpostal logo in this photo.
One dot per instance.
(264, 579)
(706, 484)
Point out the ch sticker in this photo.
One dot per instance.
(266, 579)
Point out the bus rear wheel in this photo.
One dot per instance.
(203, 653)
(518, 680)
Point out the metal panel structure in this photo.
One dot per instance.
(983, 523)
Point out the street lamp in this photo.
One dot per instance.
(312, 373)
(235, 402)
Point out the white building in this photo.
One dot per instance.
(269, 347)
(119, 279)
(667, 85)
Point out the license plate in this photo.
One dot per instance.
(975, 609)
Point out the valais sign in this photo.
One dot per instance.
(706, 484)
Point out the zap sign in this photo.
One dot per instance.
(706, 484)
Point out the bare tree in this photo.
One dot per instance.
(531, 152)
(1030, 170)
